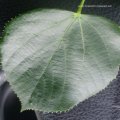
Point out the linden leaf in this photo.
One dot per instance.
(54, 60)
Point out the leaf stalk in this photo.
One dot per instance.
(80, 7)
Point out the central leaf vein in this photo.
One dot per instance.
(60, 40)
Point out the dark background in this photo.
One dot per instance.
(104, 106)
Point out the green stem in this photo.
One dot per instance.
(80, 7)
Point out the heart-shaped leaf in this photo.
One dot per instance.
(54, 60)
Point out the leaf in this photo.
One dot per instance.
(54, 60)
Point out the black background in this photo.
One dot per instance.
(98, 107)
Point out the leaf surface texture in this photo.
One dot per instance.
(53, 60)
